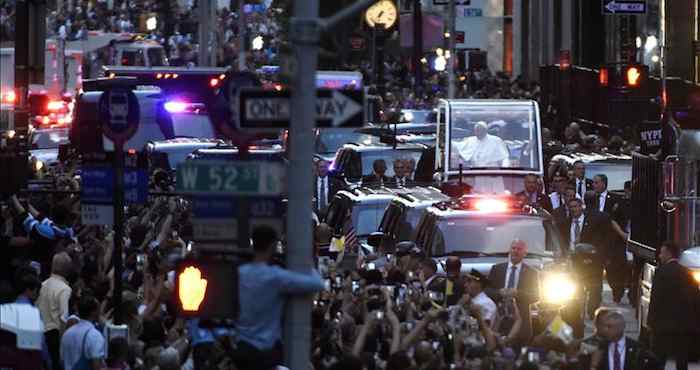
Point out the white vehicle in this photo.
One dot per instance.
(490, 144)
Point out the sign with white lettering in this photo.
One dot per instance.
(624, 6)
(265, 109)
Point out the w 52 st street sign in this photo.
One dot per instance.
(269, 109)
(231, 177)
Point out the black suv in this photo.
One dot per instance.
(353, 161)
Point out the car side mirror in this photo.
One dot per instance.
(375, 239)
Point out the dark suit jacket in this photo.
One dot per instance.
(528, 292)
(592, 203)
(635, 357)
(674, 301)
(394, 181)
(334, 185)
(588, 187)
(373, 180)
(541, 202)
(596, 230)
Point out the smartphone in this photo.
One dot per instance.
(327, 284)
(436, 345)
(379, 315)
(391, 289)
(389, 257)
(370, 266)
(355, 286)
(411, 275)
(338, 281)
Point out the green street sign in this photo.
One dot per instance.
(229, 177)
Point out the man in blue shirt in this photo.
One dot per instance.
(263, 289)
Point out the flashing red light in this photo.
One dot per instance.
(222, 76)
(131, 151)
(46, 120)
(633, 76)
(214, 82)
(490, 205)
(603, 77)
(54, 106)
(278, 87)
(9, 97)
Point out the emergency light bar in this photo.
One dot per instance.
(171, 78)
(484, 204)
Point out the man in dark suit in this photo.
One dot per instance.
(619, 352)
(593, 227)
(533, 196)
(580, 182)
(377, 177)
(673, 316)
(401, 173)
(325, 186)
(614, 258)
(516, 279)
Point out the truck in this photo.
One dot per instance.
(665, 203)
(82, 59)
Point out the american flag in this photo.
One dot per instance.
(351, 242)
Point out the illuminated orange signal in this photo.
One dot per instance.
(603, 77)
(191, 288)
(633, 76)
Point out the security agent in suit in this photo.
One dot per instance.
(325, 186)
(614, 258)
(516, 279)
(592, 227)
(377, 178)
(619, 352)
(533, 196)
(673, 311)
(580, 182)
(402, 176)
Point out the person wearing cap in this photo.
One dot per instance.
(559, 183)
(482, 149)
(475, 286)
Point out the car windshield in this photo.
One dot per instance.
(389, 157)
(329, 140)
(617, 172)
(49, 139)
(368, 216)
(492, 235)
(491, 136)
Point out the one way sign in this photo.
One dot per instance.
(624, 6)
(269, 109)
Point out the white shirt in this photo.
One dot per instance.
(518, 269)
(53, 302)
(611, 353)
(601, 200)
(572, 231)
(486, 306)
(582, 182)
(554, 199)
(72, 344)
(490, 151)
(322, 191)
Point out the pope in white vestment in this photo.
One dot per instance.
(482, 150)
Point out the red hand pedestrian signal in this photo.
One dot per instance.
(191, 288)
(633, 76)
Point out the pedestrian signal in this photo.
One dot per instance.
(207, 287)
(633, 75)
(603, 77)
(191, 288)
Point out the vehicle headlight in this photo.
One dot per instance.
(558, 288)
(696, 275)
(38, 165)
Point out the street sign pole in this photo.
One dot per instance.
(118, 229)
(451, 64)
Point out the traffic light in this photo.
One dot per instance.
(207, 288)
